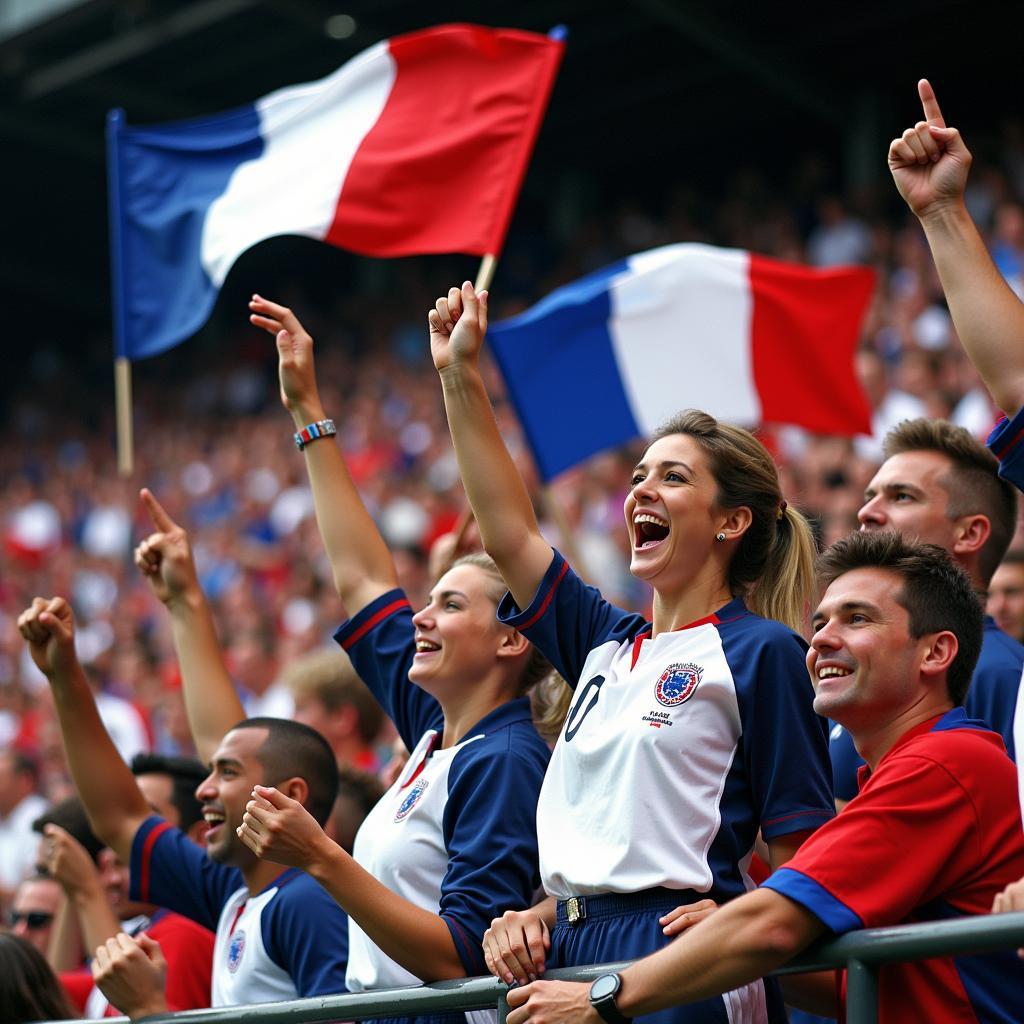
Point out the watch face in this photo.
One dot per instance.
(605, 986)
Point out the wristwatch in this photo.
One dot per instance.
(602, 998)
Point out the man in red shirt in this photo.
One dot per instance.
(933, 834)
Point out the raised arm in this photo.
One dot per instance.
(360, 561)
(496, 492)
(112, 800)
(929, 164)
(165, 560)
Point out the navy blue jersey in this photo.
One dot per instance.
(286, 942)
(456, 833)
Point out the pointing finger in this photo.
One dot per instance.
(930, 105)
(161, 520)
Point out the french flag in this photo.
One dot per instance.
(751, 340)
(417, 145)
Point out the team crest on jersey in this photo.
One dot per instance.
(235, 950)
(677, 684)
(412, 798)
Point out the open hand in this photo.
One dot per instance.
(458, 323)
(516, 946)
(679, 920)
(295, 367)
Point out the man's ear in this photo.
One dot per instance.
(941, 651)
(972, 534)
(296, 787)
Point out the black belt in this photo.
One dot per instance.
(615, 904)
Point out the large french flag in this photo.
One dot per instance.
(751, 340)
(417, 145)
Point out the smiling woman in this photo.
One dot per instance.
(453, 843)
(688, 734)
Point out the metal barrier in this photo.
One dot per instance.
(861, 953)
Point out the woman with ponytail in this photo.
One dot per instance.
(688, 734)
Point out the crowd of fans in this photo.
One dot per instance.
(217, 451)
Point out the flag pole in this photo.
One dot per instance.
(485, 274)
(122, 364)
(123, 409)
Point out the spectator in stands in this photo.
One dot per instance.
(279, 934)
(1006, 595)
(98, 891)
(332, 699)
(935, 829)
(453, 841)
(631, 825)
(29, 990)
(34, 909)
(938, 485)
(20, 805)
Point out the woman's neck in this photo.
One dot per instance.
(697, 600)
(463, 712)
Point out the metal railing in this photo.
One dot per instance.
(861, 953)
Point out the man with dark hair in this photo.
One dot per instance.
(933, 834)
(169, 785)
(278, 933)
(939, 485)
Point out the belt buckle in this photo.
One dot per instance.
(575, 909)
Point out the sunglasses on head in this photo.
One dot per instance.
(33, 918)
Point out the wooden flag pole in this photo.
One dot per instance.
(123, 409)
(485, 274)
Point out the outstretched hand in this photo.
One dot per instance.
(276, 827)
(458, 323)
(295, 367)
(929, 162)
(49, 627)
(165, 558)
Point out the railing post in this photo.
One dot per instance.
(861, 993)
(502, 1006)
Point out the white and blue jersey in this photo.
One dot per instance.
(676, 750)
(456, 833)
(286, 942)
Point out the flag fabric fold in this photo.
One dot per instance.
(751, 340)
(417, 145)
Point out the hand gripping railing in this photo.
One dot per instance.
(861, 953)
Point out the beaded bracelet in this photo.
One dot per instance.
(322, 428)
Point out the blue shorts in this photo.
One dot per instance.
(625, 927)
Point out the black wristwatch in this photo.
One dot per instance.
(602, 998)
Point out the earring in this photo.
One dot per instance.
(719, 537)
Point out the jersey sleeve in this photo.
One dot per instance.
(895, 846)
(567, 619)
(381, 642)
(1006, 442)
(490, 830)
(171, 871)
(306, 934)
(188, 950)
(785, 743)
